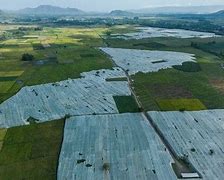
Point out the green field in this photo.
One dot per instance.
(180, 105)
(126, 104)
(172, 84)
(31, 152)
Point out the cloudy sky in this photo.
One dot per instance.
(105, 5)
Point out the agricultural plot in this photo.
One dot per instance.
(7, 80)
(91, 94)
(134, 61)
(121, 147)
(31, 152)
(180, 104)
(126, 104)
(59, 54)
(10, 73)
(197, 137)
(151, 32)
(201, 80)
(5, 86)
(105, 74)
(172, 84)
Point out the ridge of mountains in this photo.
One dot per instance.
(54, 10)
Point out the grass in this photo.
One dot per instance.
(122, 29)
(5, 86)
(171, 83)
(10, 73)
(126, 104)
(180, 104)
(31, 152)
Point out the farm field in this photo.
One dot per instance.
(134, 61)
(86, 77)
(126, 104)
(180, 104)
(202, 80)
(197, 137)
(31, 152)
(59, 54)
(152, 32)
(91, 94)
(119, 146)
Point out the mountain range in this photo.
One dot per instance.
(50, 10)
(54, 10)
(121, 13)
(180, 10)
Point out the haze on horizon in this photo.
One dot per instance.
(104, 5)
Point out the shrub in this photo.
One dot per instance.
(211, 151)
(108, 33)
(27, 57)
(182, 109)
(67, 116)
(106, 166)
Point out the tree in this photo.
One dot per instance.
(108, 33)
(27, 57)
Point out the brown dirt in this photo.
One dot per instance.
(169, 91)
(218, 84)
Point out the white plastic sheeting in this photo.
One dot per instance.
(197, 135)
(151, 32)
(91, 94)
(104, 74)
(134, 61)
(125, 141)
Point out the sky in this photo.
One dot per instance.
(105, 5)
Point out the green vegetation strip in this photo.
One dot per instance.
(180, 104)
(188, 67)
(12, 78)
(31, 152)
(126, 104)
(2, 135)
(116, 79)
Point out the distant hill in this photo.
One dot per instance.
(50, 10)
(219, 13)
(120, 13)
(181, 10)
(216, 15)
